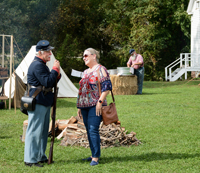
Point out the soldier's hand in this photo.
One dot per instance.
(57, 64)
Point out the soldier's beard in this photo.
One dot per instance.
(133, 57)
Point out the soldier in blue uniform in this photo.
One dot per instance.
(39, 76)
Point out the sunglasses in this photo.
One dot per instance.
(85, 56)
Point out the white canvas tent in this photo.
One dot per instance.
(66, 87)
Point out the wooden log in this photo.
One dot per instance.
(118, 123)
(72, 135)
(72, 120)
(25, 125)
(79, 119)
(111, 135)
(73, 126)
(62, 124)
(81, 123)
(81, 126)
(123, 129)
(50, 125)
(73, 131)
(67, 124)
(61, 134)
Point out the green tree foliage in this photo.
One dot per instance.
(77, 26)
(157, 29)
(24, 19)
(162, 32)
(13, 18)
(74, 31)
(40, 19)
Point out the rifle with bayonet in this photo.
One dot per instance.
(53, 117)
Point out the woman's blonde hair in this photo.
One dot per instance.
(93, 51)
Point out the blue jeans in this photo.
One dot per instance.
(37, 134)
(140, 77)
(92, 122)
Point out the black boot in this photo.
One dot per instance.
(33, 164)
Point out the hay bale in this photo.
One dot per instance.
(124, 85)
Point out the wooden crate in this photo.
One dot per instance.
(3, 72)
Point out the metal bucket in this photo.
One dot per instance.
(124, 71)
(112, 71)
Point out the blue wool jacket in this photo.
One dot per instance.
(39, 74)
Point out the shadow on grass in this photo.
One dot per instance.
(144, 157)
(164, 84)
(5, 137)
(159, 93)
(150, 157)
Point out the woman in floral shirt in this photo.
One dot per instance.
(89, 102)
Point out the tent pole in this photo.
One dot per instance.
(15, 97)
(3, 43)
(11, 55)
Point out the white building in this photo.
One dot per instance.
(188, 62)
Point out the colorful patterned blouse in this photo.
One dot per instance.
(88, 87)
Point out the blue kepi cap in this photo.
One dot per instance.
(131, 51)
(43, 45)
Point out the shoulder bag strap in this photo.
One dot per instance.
(99, 82)
(37, 91)
(28, 88)
(100, 87)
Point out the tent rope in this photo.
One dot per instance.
(18, 48)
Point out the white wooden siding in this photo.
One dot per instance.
(195, 34)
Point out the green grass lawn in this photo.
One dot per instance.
(166, 118)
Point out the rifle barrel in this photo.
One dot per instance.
(53, 117)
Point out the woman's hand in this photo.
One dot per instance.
(79, 113)
(98, 109)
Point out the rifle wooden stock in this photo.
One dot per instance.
(53, 117)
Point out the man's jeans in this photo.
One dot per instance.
(92, 122)
(140, 77)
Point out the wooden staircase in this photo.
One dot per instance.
(186, 63)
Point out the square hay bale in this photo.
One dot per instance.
(124, 85)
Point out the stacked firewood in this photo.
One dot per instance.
(74, 133)
(113, 135)
(72, 127)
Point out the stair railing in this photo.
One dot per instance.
(184, 61)
(169, 67)
(186, 58)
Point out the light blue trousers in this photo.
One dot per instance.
(37, 134)
(140, 77)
